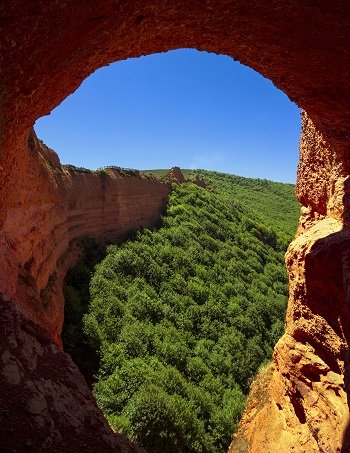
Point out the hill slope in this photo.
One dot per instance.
(272, 203)
(184, 316)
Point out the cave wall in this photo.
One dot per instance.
(45, 402)
(47, 48)
(306, 407)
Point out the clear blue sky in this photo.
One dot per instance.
(187, 108)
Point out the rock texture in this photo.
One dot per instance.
(307, 405)
(306, 409)
(175, 175)
(48, 47)
(45, 403)
(38, 237)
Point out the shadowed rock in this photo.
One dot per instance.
(47, 48)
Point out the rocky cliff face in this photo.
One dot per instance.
(305, 406)
(45, 404)
(47, 48)
(38, 236)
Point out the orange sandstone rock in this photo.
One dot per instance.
(46, 403)
(175, 175)
(47, 48)
(306, 408)
(37, 238)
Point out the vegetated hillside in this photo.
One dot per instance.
(272, 203)
(182, 318)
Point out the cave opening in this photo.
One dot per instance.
(303, 48)
(276, 118)
(188, 108)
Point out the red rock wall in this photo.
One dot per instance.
(45, 404)
(63, 204)
(48, 47)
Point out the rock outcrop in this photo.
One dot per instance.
(38, 238)
(175, 175)
(45, 403)
(307, 405)
(47, 48)
(306, 409)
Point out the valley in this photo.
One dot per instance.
(180, 318)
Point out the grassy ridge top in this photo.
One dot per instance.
(272, 203)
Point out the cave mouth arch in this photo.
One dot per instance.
(274, 40)
(47, 50)
(83, 356)
(186, 108)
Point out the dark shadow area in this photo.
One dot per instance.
(77, 298)
(298, 407)
(45, 404)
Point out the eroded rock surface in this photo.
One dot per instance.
(47, 48)
(45, 402)
(175, 175)
(306, 407)
(37, 239)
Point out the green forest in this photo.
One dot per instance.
(175, 322)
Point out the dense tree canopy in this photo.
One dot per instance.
(182, 317)
(268, 202)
